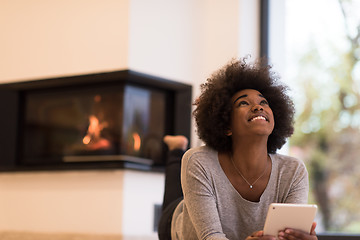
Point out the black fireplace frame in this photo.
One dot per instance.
(12, 109)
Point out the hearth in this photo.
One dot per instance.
(103, 120)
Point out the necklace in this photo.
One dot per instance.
(238, 171)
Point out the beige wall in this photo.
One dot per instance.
(183, 40)
(88, 201)
(41, 38)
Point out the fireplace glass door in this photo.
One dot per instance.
(107, 123)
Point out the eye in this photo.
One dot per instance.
(243, 103)
(264, 102)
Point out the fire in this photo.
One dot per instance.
(137, 141)
(93, 137)
(94, 129)
(86, 139)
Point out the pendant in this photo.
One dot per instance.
(250, 186)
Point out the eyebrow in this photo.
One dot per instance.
(245, 95)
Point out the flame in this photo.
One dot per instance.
(86, 139)
(93, 131)
(93, 136)
(94, 127)
(137, 141)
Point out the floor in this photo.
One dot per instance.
(54, 236)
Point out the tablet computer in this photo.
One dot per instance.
(285, 215)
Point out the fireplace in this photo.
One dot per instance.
(104, 120)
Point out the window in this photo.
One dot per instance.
(320, 61)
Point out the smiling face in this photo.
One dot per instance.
(251, 114)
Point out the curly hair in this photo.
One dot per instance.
(213, 108)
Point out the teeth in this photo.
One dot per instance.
(258, 118)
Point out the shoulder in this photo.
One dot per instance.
(288, 165)
(200, 153)
(199, 166)
(202, 157)
(288, 160)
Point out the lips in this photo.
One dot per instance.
(258, 117)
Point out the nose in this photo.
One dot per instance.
(257, 108)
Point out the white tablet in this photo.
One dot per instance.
(285, 215)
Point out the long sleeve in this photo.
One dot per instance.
(200, 199)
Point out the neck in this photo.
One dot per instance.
(250, 156)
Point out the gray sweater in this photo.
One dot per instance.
(213, 209)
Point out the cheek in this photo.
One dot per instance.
(236, 119)
(273, 126)
(272, 121)
(271, 116)
(238, 116)
(270, 113)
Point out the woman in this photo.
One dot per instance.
(243, 115)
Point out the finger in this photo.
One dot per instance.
(292, 234)
(258, 234)
(312, 231)
(255, 235)
(285, 236)
(288, 237)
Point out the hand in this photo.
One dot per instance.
(259, 235)
(292, 234)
